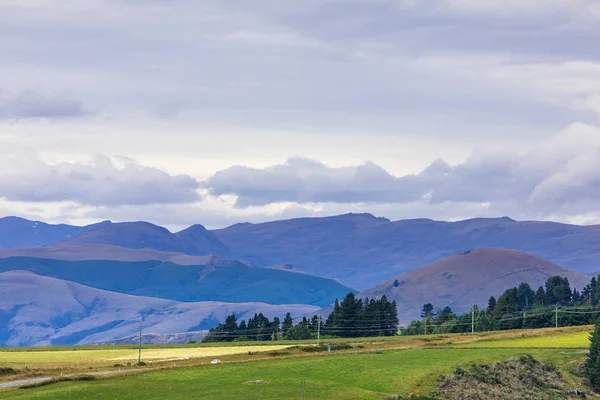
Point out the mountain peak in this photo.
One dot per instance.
(361, 217)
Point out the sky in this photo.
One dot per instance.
(222, 111)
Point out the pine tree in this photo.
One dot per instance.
(594, 291)
(540, 297)
(592, 363)
(287, 324)
(427, 310)
(276, 326)
(525, 296)
(491, 304)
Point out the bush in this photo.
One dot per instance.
(7, 371)
(298, 332)
(522, 378)
(242, 339)
(81, 378)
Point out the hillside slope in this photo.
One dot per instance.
(37, 310)
(214, 280)
(469, 278)
(364, 251)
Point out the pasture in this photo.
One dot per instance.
(89, 357)
(369, 370)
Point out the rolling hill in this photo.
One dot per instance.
(211, 279)
(38, 310)
(469, 278)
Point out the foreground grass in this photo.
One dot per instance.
(347, 376)
(372, 369)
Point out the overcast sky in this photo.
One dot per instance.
(223, 111)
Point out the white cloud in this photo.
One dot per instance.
(27, 178)
(192, 88)
(557, 173)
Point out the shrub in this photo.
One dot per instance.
(81, 378)
(7, 371)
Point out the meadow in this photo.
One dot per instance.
(369, 370)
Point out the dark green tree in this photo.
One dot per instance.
(558, 291)
(594, 291)
(427, 310)
(592, 363)
(491, 304)
(287, 324)
(540, 297)
(298, 332)
(525, 296)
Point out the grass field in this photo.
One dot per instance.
(92, 357)
(571, 340)
(348, 376)
(405, 365)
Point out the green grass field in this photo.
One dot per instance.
(406, 365)
(348, 376)
(572, 340)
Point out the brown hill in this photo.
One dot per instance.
(469, 278)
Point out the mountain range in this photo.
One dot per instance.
(359, 249)
(308, 262)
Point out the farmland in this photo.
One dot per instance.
(368, 370)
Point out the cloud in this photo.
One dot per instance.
(30, 104)
(103, 181)
(561, 172)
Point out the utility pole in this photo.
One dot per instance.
(140, 348)
(319, 331)
(472, 319)
(556, 313)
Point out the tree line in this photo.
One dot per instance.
(519, 307)
(352, 317)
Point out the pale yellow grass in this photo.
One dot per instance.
(169, 354)
(91, 356)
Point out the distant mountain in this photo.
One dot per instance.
(213, 280)
(18, 232)
(195, 240)
(358, 249)
(37, 310)
(363, 250)
(469, 278)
